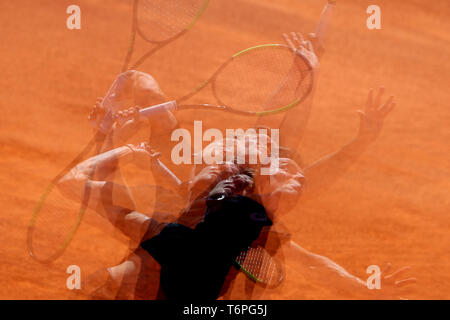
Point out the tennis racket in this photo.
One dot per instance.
(257, 81)
(156, 21)
(54, 221)
(260, 266)
(54, 210)
(257, 263)
(160, 22)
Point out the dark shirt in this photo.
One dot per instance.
(195, 261)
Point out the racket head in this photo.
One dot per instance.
(261, 267)
(263, 80)
(53, 225)
(160, 21)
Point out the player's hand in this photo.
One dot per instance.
(223, 188)
(304, 47)
(236, 184)
(373, 115)
(143, 154)
(127, 123)
(97, 113)
(393, 284)
(204, 179)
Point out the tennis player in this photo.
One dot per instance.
(214, 194)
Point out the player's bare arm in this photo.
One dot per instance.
(333, 277)
(327, 170)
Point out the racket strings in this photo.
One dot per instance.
(294, 86)
(263, 79)
(159, 21)
(260, 266)
(54, 225)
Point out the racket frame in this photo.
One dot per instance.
(135, 29)
(174, 104)
(255, 278)
(98, 139)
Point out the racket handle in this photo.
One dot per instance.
(150, 111)
(171, 177)
(324, 21)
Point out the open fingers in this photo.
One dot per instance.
(386, 104)
(304, 43)
(387, 109)
(378, 97)
(308, 45)
(289, 42)
(301, 38)
(369, 102)
(298, 39)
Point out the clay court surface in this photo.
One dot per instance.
(392, 206)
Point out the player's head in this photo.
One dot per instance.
(236, 157)
(239, 183)
(134, 88)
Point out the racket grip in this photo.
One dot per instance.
(150, 111)
(171, 177)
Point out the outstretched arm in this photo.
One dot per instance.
(109, 199)
(325, 272)
(325, 172)
(292, 122)
(79, 179)
(127, 123)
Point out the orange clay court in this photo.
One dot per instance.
(392, 206)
